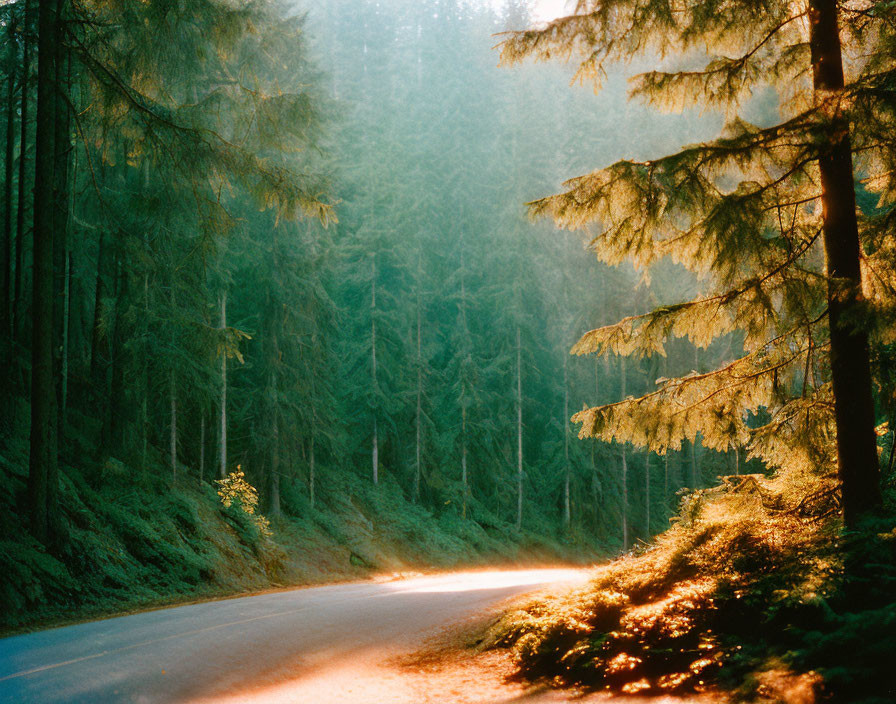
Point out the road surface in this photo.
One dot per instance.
(324, 645)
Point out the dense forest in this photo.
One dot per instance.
(284, 299)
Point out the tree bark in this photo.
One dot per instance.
(222, 440)
(275, 470)
(202, 448)
(375, 459)
(97, 361)
(463, 461)
(419, 413)
(62, 150)
(567, 513)
(18, 303)
(42, 475)
(850, 359)
(311, 468)
(624, 473)
(8, 251)
(647, 493)
(172, 439)
(519, 431)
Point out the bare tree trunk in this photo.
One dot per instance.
(62, 151)
(737, 461)
(850, 359)
(647, 492)
(519, 431)
(311, 477)
(18, 303)
(595, 479)
(463, 460)
(624, 474)
(275, 470)
(8, 250)
(42, 474)
(419, 396)
(97, 365)
(144, 409)
(172, 441)
(374, 453)
(567, 513)
(222, 440)
(202, 448)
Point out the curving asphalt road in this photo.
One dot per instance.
(314, 646)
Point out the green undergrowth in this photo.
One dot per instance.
(754, 593)
(135, 539)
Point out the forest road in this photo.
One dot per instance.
(345, 643)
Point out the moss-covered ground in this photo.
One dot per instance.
(136, 539)
(753, 593)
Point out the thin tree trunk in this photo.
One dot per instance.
(519, 431)
(624, 475)
(172, 441)
(463, 460)
(647, 493)
(695, 468)
(419, 397)
(275, 469)
(97, 365)
(42, 475)
(374, 453)
(222, 440)
(18, 303)
(850, 360)
(567, 513)
(311, 477)
(9, 168)
(144, 402)
(202, 448)
(595, 479)
(62, 151)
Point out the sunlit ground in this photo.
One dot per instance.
(416, 671)
(476, 581)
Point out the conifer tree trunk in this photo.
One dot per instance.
(62, 150)
(465, 482)
(463, 460)
(275, 469)
(42, 477)
(595, 479)
(666, 478)
(97, 365)
(144, 402)
(567, 514)
(311, 469)
(18, 303)
(8, 164)
(647, 492)
(114, 426)
(222, 440)
(172, 440)
(375, 448)
(850, 361)
(624, 474)
(519, 431)
(737, 461)
(694, 466)
(419, 399)
(202, 448)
